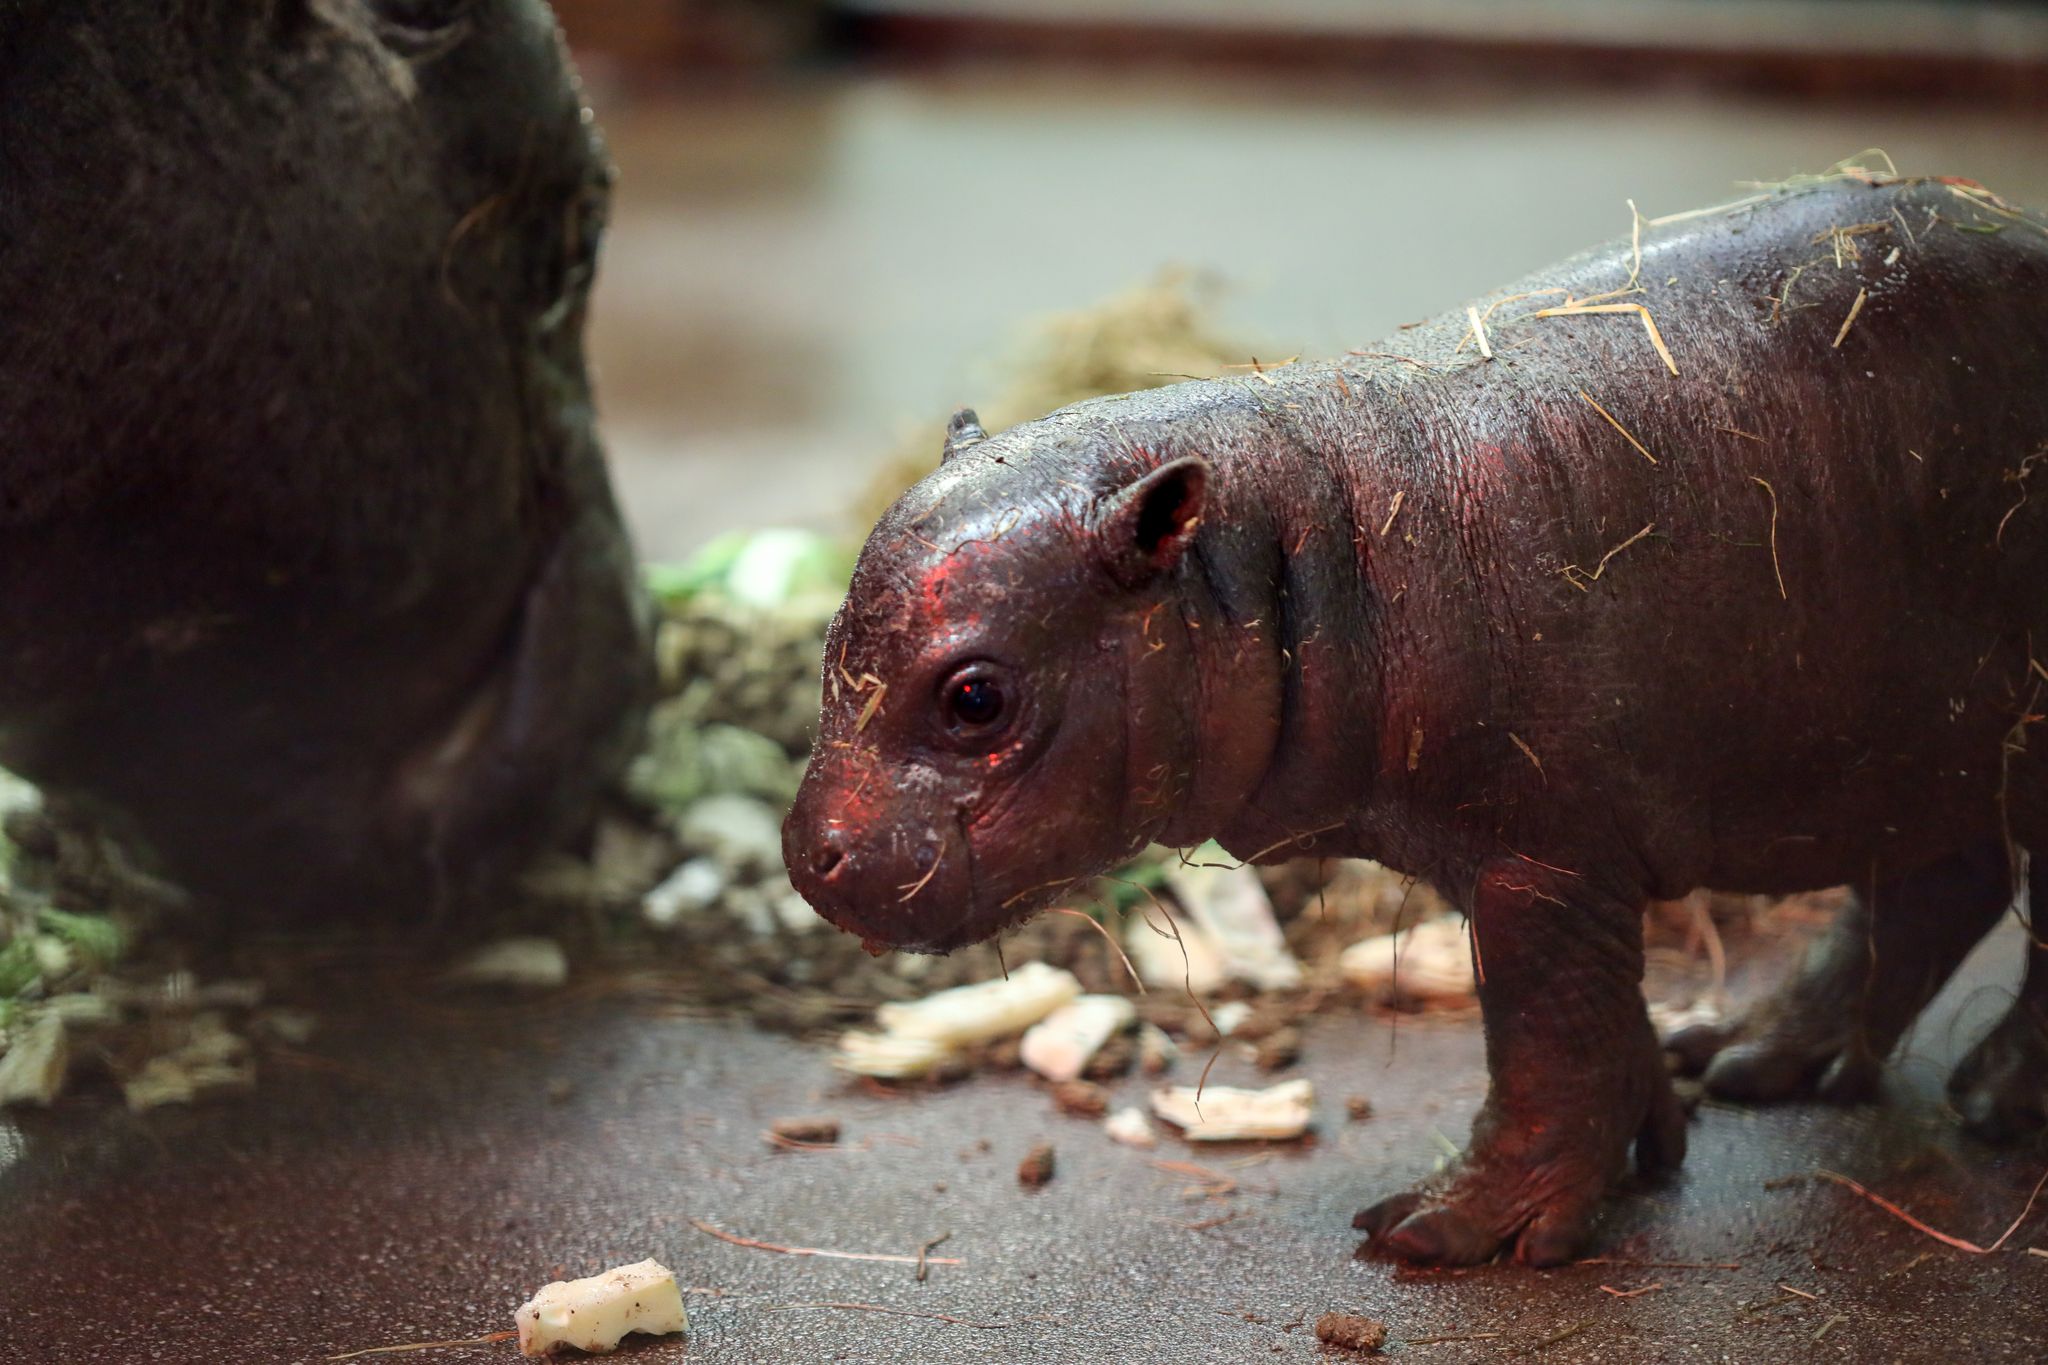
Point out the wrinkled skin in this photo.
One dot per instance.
(1407, 609)
(311, 582)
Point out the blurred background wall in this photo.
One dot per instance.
(837, 220)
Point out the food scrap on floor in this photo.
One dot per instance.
(597, 1313)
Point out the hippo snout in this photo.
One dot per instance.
(895, 884)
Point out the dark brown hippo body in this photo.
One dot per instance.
(1439, 610)
(310, 575)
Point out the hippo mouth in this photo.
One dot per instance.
(882, 933)
(933, 901)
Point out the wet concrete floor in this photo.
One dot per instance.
(425, 1166)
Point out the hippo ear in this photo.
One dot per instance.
(1143, 528)
(963, 431)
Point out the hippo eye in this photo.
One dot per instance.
(421, 30)
(973, 698)
(423, 15)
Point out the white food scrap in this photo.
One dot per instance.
(597, 1313)
(1224, 1114)
(1130, 1127)
(1190, 961)
(888, 1056)
(1235, 914)
(33, 1068)
(1060, 1046)
(1668, 1019)
(81, 1009)
(535, 964)
(1228, 1015)
(211, 1057)
(1156, 1051)
(917, 1036)
(1431, 961)
(966, 1015)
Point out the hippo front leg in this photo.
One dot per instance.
(1575, 1077)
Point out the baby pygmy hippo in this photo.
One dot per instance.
(1709, 562)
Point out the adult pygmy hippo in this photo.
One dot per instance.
(1736, 586)
(310, 576)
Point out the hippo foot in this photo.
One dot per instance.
(1861, 985)
(1813, 1036)
(1796, 1044)
(2001, 1087)
(1533, 1182)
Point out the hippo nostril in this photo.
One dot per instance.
(830, 853)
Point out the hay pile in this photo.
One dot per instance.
(78, 1003)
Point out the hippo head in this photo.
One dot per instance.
(991, 733)
(311, 582)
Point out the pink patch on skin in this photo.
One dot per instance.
(1481, 475)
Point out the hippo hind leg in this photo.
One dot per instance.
(1861, 985)
(2001, 1087)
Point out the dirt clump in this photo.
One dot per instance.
(1037, 1166)
(1351, 1332)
